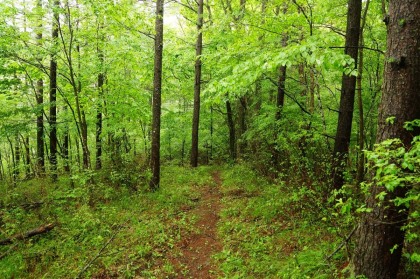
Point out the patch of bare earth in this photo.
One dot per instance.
(194, 259)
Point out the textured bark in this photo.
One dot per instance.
(39, 96)
(380, 230)
(348, 88)
(40, 162)
(53, 97)
(156, 103)
(197, 86)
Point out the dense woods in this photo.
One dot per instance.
(295, 121)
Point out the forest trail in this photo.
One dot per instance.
(196, 250)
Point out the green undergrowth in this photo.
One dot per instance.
(275, 230)
(103, 227)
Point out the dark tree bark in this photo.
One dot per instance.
(197, 86)
(348, 88)
(98, 139)
(101, 80)
(53, 96)
(40, 162)
(380, 230)
(231, 126)
(39, 96)
(156, 103)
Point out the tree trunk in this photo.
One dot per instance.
(53, 96)
(231, 125)
(39, 96)
(98, 135)
(361, 158)
(156, 103)
(348, 87)
(197, 86)
(380, 230)
(101, 80)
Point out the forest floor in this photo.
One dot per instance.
(208, 222)
(196, 250)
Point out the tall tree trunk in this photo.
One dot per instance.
(39, 96)
(231, 126)
(348, 88)
(40, 162)
(98, 139)
(156, 103)
(361, 158)
(53, 95)
(380, 230)
(101, 80)
(197, 86)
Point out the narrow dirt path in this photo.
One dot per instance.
(195, 260)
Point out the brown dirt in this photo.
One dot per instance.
(196, 250)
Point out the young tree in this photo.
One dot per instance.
(348, 88)
(156, 102)
(197, 86)
(380, 230)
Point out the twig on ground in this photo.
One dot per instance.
(342, 243)
(83, 270)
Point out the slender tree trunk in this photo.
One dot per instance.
(40, 162)
(380, 230)
(39, 96)
(99, 123)
(197, 86)
(348, 88)
(53, 96)
(361, 158)
(157, 91)
(231, 126)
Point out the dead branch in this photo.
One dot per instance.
(40, 230)
(100, 251)
(343, 243)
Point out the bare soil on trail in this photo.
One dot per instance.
(196, 250)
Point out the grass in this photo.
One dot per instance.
(143, 226)
(269, 230)
(272, 230)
